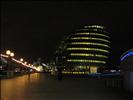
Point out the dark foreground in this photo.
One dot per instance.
(39, 86)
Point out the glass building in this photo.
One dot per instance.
(86, 50)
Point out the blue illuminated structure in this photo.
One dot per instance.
(127, 54)
(126, 66)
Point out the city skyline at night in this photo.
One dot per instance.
(34, 29)
(66, 50)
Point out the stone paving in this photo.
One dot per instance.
(39, 86)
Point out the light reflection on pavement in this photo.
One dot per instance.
(39, 86)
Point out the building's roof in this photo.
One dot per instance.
(127, 60)
(126, 54)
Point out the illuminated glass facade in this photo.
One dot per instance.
(87, 49)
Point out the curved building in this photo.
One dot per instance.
(87, 49)
(126, 64)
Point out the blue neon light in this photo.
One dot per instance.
(127, 55)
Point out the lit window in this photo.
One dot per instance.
(84, 54)
(94, 26)
(93, 49)
(93, 69)
(82, 60)
(87, 33)
(89, 38)
(90, 43)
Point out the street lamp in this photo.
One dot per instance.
(10, 54)
(21, 59)
(25, 62)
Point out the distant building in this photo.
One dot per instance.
(127, 68)
(86, 50)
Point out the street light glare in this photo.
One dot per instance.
(25, 62)
(8, 52)
(12, 54)
(21, 59)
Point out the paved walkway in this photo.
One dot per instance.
(44, 87)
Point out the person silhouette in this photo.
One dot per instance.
(59, 74)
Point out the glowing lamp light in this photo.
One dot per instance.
(12, 54)
(127, 55)
(21, 59)
(8, 52)
(25, 62)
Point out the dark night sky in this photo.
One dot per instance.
(34, 28)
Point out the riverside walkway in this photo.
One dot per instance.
(40, 86)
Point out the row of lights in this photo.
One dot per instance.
(83, 60)
(93, 49)
(90, 38)
(95, 30)
(87, 33)
(90, 43)
(88, 55)
(11, 54)
(94, 26)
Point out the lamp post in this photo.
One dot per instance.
(8, 52)
(21, 68)
(9, 69)
(12, 54)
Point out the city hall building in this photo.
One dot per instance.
(87, 49)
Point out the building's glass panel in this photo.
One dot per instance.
(86, 50)
(93, 34)
(89, 38)
(89, 43)
(86, 54)
(94, 49)
(82, 60)
(93, 69)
